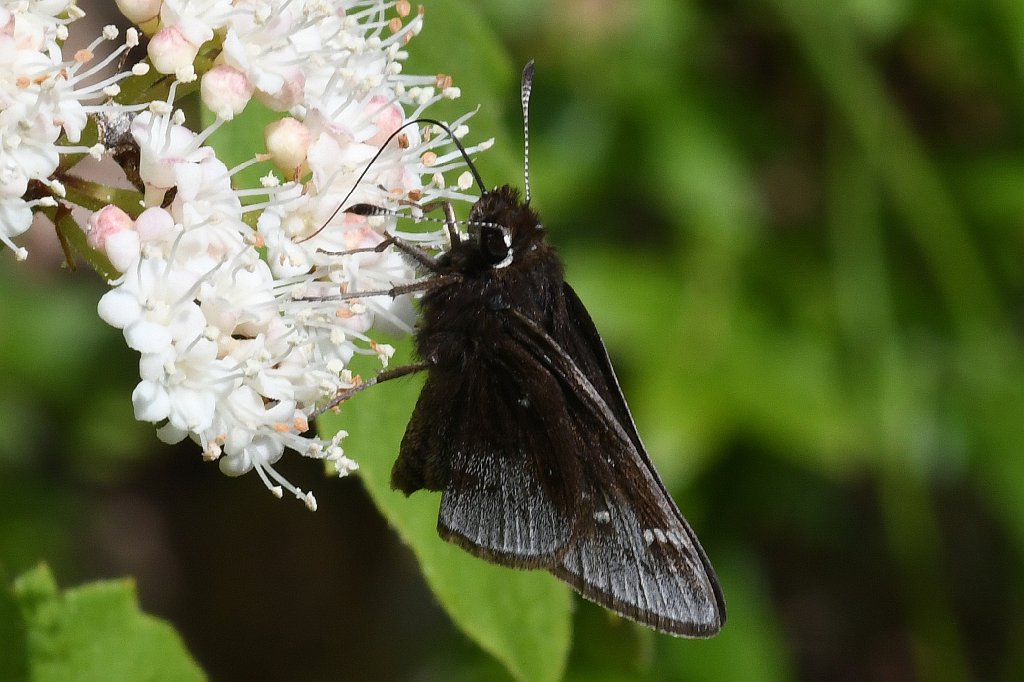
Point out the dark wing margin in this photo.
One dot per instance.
(589, 348)
(486, 439)
(635, 556)
(631, 550)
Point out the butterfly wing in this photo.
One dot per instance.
(633, 553)
(631, 549)
(541, 466)
(485, 436)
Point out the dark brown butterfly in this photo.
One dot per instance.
(522, 426)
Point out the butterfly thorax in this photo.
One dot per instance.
(504, 264)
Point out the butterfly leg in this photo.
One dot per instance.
(451, 223)
(393, 292)
(408, 248)
(411, 250)
(344, 394)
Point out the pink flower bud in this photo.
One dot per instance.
(139, 11)
(111, 231)
(288, 143)
(226, 90)
(170, 51)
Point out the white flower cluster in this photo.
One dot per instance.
(219, 360)
(42, 95)
(242, 332)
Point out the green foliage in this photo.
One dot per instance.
(520, 617)
(239, 140)
(455, 35)
(95, 632)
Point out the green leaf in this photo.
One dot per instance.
(95, 632)
(240, 139)
(522, 618)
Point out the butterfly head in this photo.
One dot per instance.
(502, 227)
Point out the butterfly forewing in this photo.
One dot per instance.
(650, 574)
(631, 550)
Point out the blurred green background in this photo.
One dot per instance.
(800, 228)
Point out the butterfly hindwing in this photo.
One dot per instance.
(504, 498)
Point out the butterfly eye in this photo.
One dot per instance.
(495, 245)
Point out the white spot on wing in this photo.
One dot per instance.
(662, 536)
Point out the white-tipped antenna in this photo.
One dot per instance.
(525, 94)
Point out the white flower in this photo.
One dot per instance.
(15, 218)
(226, 358)
(163, 144)
(185, 25)
(43, 96)
(36, 23)
(242, 332)
(183, 384)
(270, 54)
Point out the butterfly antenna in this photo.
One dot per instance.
(443, 126)
(527, 87)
